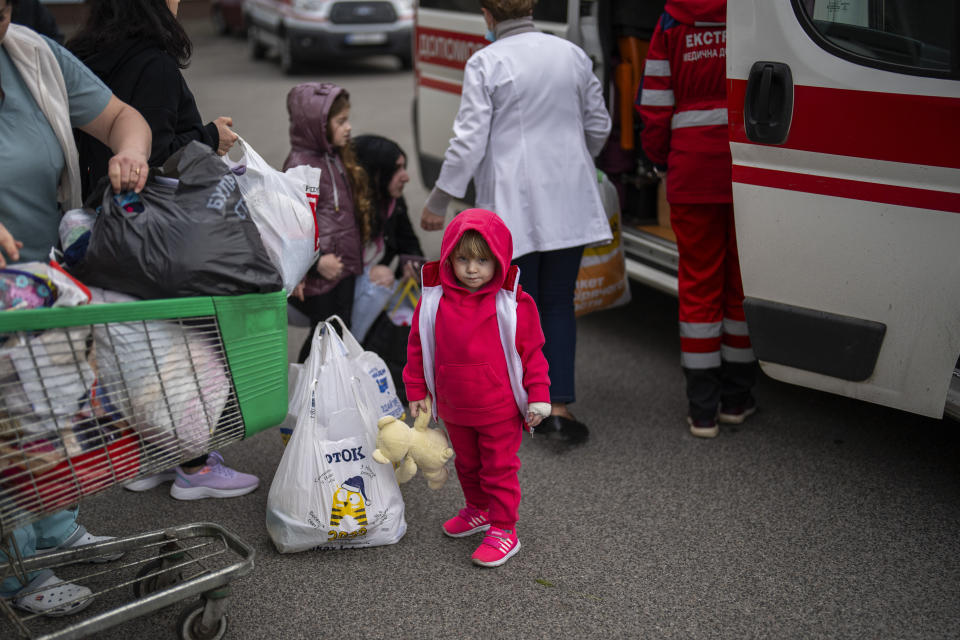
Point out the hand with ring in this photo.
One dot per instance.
(128, 170)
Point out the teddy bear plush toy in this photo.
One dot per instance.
(414, 448)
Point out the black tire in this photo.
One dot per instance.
(406, 62)
(219, 22)
(188, 626)
(146, 584)
(256, 48)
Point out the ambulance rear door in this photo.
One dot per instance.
(844, 128)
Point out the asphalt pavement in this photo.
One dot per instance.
(819, 517)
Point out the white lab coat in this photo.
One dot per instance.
(531, 119)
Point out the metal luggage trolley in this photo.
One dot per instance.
(98, 395)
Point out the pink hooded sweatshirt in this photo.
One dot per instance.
(472, 382)
(309, 107)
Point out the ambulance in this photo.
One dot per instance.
(844, 124)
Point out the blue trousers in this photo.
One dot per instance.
(550, 277)
(48, 532)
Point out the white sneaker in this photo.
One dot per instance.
(51, 596)
(79, 538)
(149, 482)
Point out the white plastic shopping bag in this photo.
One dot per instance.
(373, 375)
(283, 206)
(328, 493)
(375, 379)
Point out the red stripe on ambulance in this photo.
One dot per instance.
(440, 85)
(896, 127)
(852, 189)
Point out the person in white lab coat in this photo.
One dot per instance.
(531, 120)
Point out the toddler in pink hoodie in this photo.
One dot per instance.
(475, 347)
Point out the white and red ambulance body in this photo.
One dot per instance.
(846, 180)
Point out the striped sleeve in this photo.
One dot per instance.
(655, 100)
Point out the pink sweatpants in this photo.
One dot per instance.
(487, 466)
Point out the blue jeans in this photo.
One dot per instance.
(44, 533)
(550, 277)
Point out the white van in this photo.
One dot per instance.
(845, 124)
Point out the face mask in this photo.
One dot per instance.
(489, 36)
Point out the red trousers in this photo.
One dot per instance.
(487, 464)
(712, 325)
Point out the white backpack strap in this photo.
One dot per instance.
(429, 303)
(507, 322)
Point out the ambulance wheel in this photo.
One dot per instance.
(190, 625)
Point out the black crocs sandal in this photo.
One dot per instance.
(563, 429)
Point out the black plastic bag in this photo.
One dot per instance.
(389, 341)
(193, 238)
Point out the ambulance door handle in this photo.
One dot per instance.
(768, 104)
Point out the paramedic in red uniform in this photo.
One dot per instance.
(683, 107)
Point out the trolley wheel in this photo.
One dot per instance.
(147, 584)
(190, 625)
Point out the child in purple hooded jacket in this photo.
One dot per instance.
(320, 137)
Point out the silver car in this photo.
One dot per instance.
(311, 30)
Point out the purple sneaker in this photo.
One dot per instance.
(214, 480)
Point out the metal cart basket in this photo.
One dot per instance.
(98, 395)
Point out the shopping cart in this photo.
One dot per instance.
(98, 395)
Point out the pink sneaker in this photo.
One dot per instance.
(497, 547)
(466, 523)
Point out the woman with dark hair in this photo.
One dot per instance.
(391, 237)
(138, 47)
(391, 234)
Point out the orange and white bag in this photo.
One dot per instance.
(602, 282)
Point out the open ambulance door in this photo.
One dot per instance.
(844, 128)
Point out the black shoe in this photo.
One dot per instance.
(563, 429)
(736, 414)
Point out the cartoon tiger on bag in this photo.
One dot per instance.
(349, 499)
